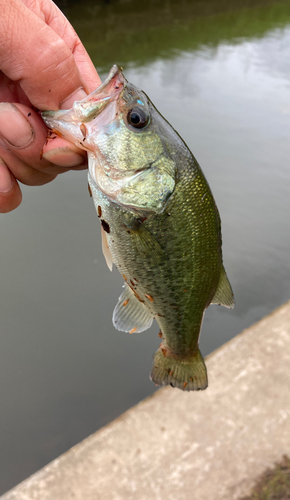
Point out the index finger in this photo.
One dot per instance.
(53, 17)
(43, 58)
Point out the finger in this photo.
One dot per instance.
(33, 54)
(10, 193)
(22, 171)
(11, 92)
(25, 173)
(53, 17)
(23, 133)
(63, 153)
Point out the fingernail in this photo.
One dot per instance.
(14, 128)
(76, 96)
(6, 181)
(64, 157)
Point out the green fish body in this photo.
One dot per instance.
(160, 224)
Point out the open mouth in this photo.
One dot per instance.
(72, 123)
(108, 91)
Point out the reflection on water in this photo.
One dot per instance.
(135, 33)
(219, 72)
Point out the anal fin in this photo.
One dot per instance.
(131, 315)
(224, 294)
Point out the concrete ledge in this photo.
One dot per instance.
(175, 445)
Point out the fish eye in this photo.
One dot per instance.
(138, 117)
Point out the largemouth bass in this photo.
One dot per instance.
(160, 224)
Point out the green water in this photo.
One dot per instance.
(220, 73)
(137, 33)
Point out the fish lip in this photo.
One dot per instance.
(92, 105)
(107, 92)
(78, 124)
(114, 73)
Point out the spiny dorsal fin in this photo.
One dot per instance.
(224, 295)
(130, 315)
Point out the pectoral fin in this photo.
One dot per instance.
(224, 295)
(146, 243)
(130, 315)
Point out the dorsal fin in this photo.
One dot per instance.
(224, 295)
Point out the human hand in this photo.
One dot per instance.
(42, 64)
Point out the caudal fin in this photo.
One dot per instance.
(188, 374)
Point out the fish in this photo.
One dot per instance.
(159, 221)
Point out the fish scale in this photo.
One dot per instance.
(160, 224)
(184, 262)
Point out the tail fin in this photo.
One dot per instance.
(188, 374)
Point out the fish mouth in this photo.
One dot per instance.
(71, 123)
(107, 92)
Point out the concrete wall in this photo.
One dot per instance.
(188, 446)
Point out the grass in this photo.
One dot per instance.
(274, 484)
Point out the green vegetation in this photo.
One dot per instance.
(130, 32)
(274, 484)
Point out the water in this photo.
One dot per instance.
(219, 71)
